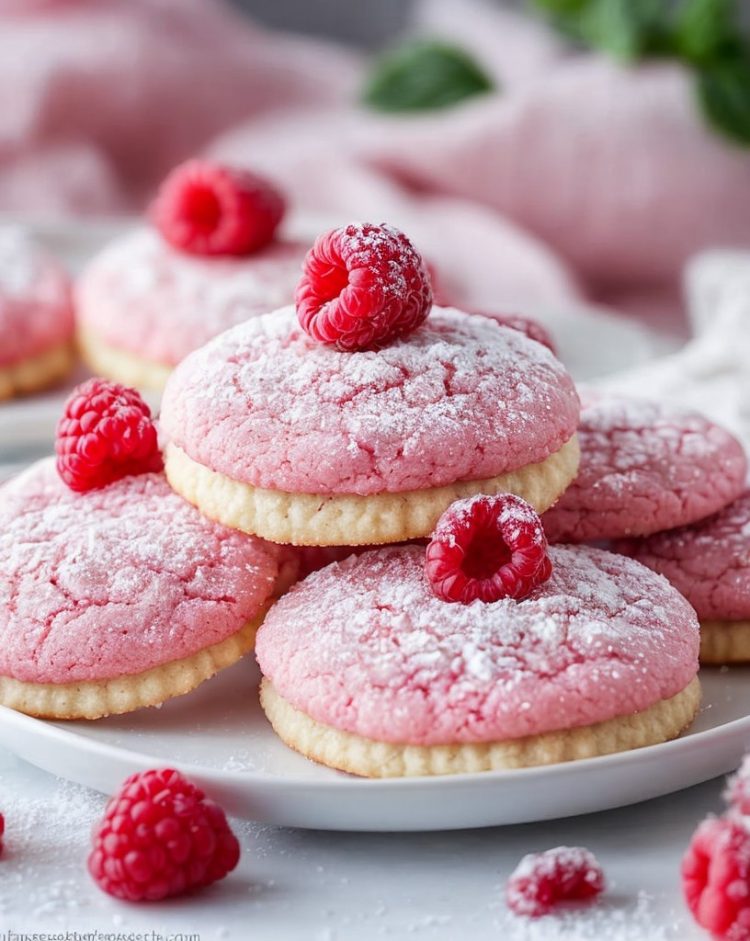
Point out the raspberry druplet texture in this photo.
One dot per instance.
(541, 881)
(362, 286)
(531, 328)
(737, 793)
(106, 432)
(716, 878)
(487, 548)
(161, 837)
(207, 208)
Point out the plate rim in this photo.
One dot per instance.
(52, 730)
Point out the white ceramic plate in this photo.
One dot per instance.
(219, 736)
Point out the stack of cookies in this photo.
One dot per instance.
(401, 454)
(36, 316)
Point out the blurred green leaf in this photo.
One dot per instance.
(706, 30)
(705, 35)
(424, 75)
(627, 29)
(562, 7)
(724, 94)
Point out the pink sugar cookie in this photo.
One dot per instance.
(119, 597)
(645, 466)
(364, 648)
(142, 306)
(264, 416)
(36, 315)
(708, 562)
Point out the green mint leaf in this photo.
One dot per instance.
(724, 94)
(424, 75)
(562, 7)
(705, 35)
(627, 29)
(706, 31)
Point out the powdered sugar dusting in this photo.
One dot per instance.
(645, 466)
(365, 646)
(142, 295)
(363, 243)
(634, 920)
(460, 398)
(39, 831)
(19, 262)
(708, 562)
(542, 880)
(118, 580)
(35, 308)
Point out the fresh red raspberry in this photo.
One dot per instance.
(2, 833)
(207, 208)
(531, 328)
(105, 433)
(487, 548)
(543, 880)
(362, 286)
(716, 878)
(161, 837)
(737, 793)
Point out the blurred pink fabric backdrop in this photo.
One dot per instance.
(575, 177)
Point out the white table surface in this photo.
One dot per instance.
(296, 884)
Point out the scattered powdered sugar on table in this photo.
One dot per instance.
(43, 867)
(629, 919)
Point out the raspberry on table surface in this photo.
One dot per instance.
(161, 837)
(541, 881)
(716, 877)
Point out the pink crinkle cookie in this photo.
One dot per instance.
(367, 670)
(645, 466)
(36, 316)
(118, 598)
(709, 563)
(280, 436)
(142, 306)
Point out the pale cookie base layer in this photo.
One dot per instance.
(98, 698)
(121, 365)
(306, 519)
(357, 755)
(36, 372)
(725, 642)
